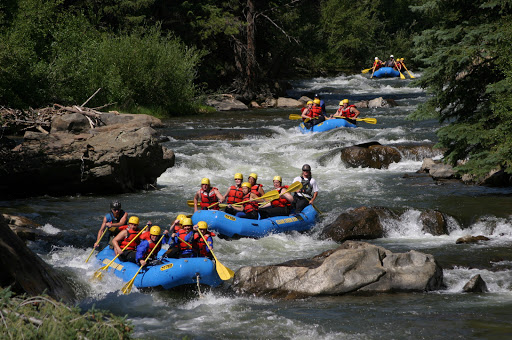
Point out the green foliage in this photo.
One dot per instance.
(469, 78)
(40, 317)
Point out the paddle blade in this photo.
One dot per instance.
(127, 288)
(92, 251)
(294, 116)
(98, 275)
(402, 76)
(366, 70)
(368, 120)
(224, 272)
(295, 186)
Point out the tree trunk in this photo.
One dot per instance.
(250, 69)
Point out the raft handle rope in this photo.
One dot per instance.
(198, 286)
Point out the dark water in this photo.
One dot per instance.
(268, 143)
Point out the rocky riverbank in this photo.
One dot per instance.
(122, 154)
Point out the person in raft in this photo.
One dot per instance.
(112, 220)
(202, 249)
(322, 104)
(256, 189)
(248, 209)
(207, 196)
(313, 116)
(124, 238)
(280, 206)
(146, 247)
(377, 64)
(307, 195)
(390, 62)
(347, 112)
(182, 243)
(234, 193)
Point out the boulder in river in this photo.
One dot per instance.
(370, 155)
(351, 268)
(475, 285)
(25, 272)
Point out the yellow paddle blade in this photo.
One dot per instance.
(127, 288)
(295, 186)
(368, 120)
(401, 75)
(294, 116)
(224, 272)
(98, 275)
(366, 70)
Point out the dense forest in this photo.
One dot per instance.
(163, 56)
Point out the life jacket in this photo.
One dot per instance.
(202, 248)
(145, 236)
(377, 64)
(184, 248)
(254, 190)
(249, 206)
(208, 198)
(316, 111)
(346, 112)
(132, 234)
(111, 218)
(307, 188)
(235, 195)
(152, 245)
(281, 202)
(398, 66)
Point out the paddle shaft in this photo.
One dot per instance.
(94, 248)
(401, 75)
(410, 75)
(217, 262)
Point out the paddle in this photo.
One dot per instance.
(98, 274)
(317, 210)
(373, 70)
(401, 75)
(269, 196)
(295, 186)
(366, 120)
(127, 288)
(190, 203)
(410, 75)
(224, 272)
(94, 248)
(366, 70)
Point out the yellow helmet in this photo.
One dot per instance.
(401, 59)
(181, 217)
(239, 176)
(254, 175)
(278, 178)
(155, 230)
(316, 101)
(205, 181)
(246, 184)
(186, 221)
(309, 102)
(133, 220)
(202, 225)
(344, 101)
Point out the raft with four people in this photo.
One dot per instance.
(386, 72)
(326, 125)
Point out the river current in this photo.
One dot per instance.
(268, 143)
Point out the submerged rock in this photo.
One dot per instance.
(471, 239)
(353, 267)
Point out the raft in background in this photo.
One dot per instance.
(386, 72)
(327, 125)
(170, 274)
(234, 227)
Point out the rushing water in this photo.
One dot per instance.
(268, 143)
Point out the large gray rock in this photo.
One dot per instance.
(370, 155)
(353, 267)
(288, 102)
(475, 285)
(109, 160)
(437, 169)
(226, 102)
(434, 222)
(25, 272)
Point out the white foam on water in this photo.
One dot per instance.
(50, 229)
(497, 281)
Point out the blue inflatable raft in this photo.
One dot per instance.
(326, 125)
(386, 72)
(234, 227)
(171, 273)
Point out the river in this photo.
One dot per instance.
(268, 143)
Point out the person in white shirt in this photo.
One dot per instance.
(309, 191)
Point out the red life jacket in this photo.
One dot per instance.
(235, 195)
(208, 198)
(182, 245)
(202, 248)
(150, 249)
(346, 112)
(254, 190)
(281, 201)
(145, 236)
(315, 111)
(132, 234)
(249, 206)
